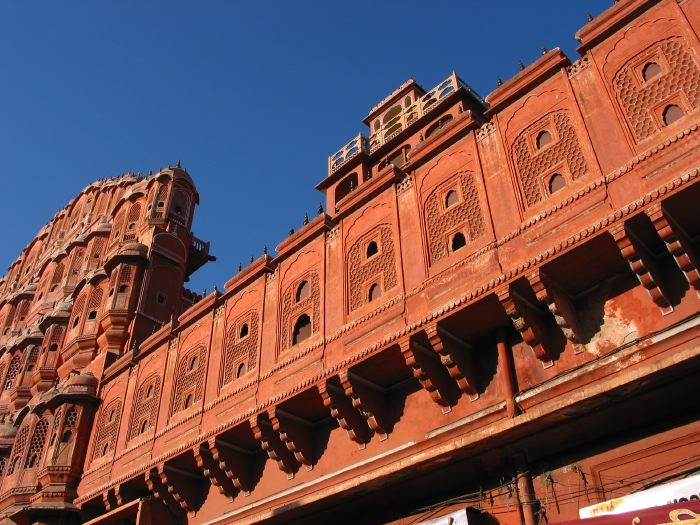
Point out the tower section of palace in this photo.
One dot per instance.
(496, 317)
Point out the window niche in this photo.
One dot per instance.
(458, 241)
(372, 249)
(556, 183)
(671, 114)
(302, 291)
(451, 198)
(651, 70)
(544, 138)
(302, 329)
(345, 187)
(374, 293)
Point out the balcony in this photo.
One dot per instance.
(347, 152)
(395, 122)
(198, 255)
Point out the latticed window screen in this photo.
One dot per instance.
(33, 357)
(76, 266)
(56, 335)
(145, 408)
(57, 274)
(72, 417)
(36, 445)
(159, 203)
(95, 300)
(96, 253)
(78, 307)
(107, 428)
(18, 448)
(189, 379)
(125, 274)
(12, 372)
(239, 349)
(117, 227)
(131, 222)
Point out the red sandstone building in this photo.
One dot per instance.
(496, 318)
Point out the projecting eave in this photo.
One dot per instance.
(544, 67)
(610, 21)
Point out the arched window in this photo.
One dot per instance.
(240, 371)
(372, 249)
(451, 198)
(122, 288)
(149, 392)
(543, 139)
(112, 415)
(302, 329)
(651, 70)
(143, 427)
(438, 125)
(92, 314)
(345, 186)
(105, 449)
(672, 113)
(407, 102)
(458, 241)
(244, 331)
(556, 183)
(188, 401)
(302, 291)
(374, 292)
(76, 321)
(376, 125)
(193, 363)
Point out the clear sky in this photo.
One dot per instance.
(252, 96)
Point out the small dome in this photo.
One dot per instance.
(134, 248)
(85, 380)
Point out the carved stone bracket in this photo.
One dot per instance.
(295, 433)
(558, 301)
(160, 492)
(525, 319)
(642, 265)
(217, 476)
(233, 461)
(341, 407)
(456, 356)
(369, 400)
(486, 130)
(185, 488)
(677, 243)
(404, 184)
(109, 500)
(430, 372)
(272, 444)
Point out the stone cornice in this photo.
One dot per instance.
(533, 75)
(610, 21)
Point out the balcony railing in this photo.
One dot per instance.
(395, 124)
(199, 246)
(352, 148)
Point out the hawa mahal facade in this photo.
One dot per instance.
(496, 315)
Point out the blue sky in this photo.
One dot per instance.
(252, 97)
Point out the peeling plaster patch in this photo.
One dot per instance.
(614, 331)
